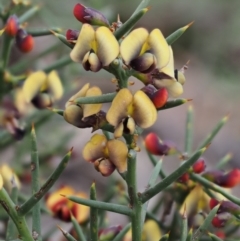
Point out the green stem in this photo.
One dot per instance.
(223, 161)
(28, 14)
(36, 197)
(214, 132)
(214, 187)
(135, 203)
(154, 162)
(105, 98)
(67, 235)
(11, 228)
(189, 131)
(184, 231)
(58, 64)
(63, 39)
(93, 215)
(78, 229)
(19, 221)
(129, 24)
(43, 32)
(143, 4)
(102, 205)
(174, 103)
(36, 212)
(148, 194)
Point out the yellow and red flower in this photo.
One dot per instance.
(128, 110)
(75, 114)
(62, 208)
(95, 49)
(106, 154)
(41, 89)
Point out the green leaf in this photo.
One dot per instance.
(206, 224)
(178, 33)
(36, 197)
(151, 192)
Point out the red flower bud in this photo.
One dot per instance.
(24, 41)
(228, 180)
(221, 234)
(220, 221)
(12, 26)
(199, 166)
(104, 166)
(72, 34)
(89, 15)
(149, 90)
(157, 147)
(184, 178)
(160, 97)
(109, 233)
(213, 203)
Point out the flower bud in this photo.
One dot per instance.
(145, 63)
(228, 180)
(109, 233)
(12, 26)
(104, 166)
(157, 147)
(199, 166)
(220, 234)
(225, 206)
(89, 15)
(160, 97)
(72, 34)
(220, 220)
(24, 41)
(184, 178)
(149, 90)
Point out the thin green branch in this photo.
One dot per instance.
(154, 162)
(184, 231)
(63, 39)
(78, 229)
(189, 131)
(214, 132)
(28, 14)
(58, 64)
(67, 235)
(223, 161)
(143, 4)
(205, 224)
(177, 34)
(129, 24)
(102, 205)
(19, 221)
(148, 194)
(214, 187)
(43, 32)
(36, 197)
(36, 212)
(11, 228)
(93, 215)
(164, 237)
(174, 103)
(105, 98)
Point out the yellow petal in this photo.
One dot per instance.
(73, 114)
(1, 182)
(80, 212)
(91, 109)
(118, 151)
(144, 112)
(159, 47)
(81, 93)
(169, 68)
(33, 85)
(107, 46)
(93, 62)
(54, 85)
(83, 44)
(56, 198)
(118, 109)
(132, 45)
(151, 231)
(95, 148)
(119, 130)
(196, 201)
(175, 89)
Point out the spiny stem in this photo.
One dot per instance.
(78, 229)
(43, 32)
(93, 215)
(36, 212)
